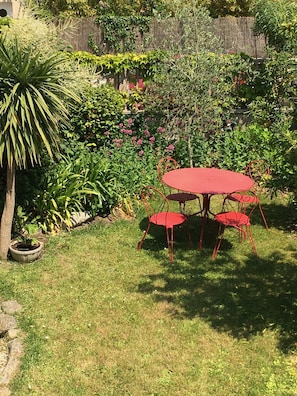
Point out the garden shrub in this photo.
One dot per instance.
(78, 182)
(100, 110)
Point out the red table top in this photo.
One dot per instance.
(207, 180)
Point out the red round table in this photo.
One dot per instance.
(208, 182)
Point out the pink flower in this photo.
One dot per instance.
(140, 153)
(161, 130)
(131, 86)
(140, 83)
(139, 142)
(127, 131)
(170, 147)
(129, 121)
(107, 133)
(147, 133)
(152, 139)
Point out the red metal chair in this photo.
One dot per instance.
(167, 164)
(259, 171)
(157, 208)
(239, 220)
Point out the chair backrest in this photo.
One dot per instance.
(259, 171)
(166, 164)
(154, 200)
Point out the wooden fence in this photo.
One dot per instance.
(236, 34)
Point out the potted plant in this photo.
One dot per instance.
(26, 248)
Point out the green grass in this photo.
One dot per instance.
(102, 318)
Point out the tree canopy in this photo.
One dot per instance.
(140, 7)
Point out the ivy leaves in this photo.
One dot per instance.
(119, 33)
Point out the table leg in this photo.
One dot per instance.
(206, 210)
(206, 201)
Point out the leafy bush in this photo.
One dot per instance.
(81, 182)
(110, 65)
(235, 148)
(277, 21)
(100, 110)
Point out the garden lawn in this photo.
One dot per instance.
(102, 318)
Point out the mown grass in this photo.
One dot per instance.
(102, 318)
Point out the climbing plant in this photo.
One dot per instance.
(119, 33)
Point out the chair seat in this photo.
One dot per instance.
(247, 199)
(168, 219)
(233, 219)
(181, 197)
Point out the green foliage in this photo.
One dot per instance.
(278, 76)
(247, 79)
(119, 32)
(24, 228)
(78, 182)
(100, 110)
(277, 20)
(233, 149)
(133, 167)
(5, 21)
(236, 8)
(194, 97)
(145, 65)
(129, 8)
(218, 8)
(66, 8)
(32, 103)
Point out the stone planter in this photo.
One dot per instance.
(23, 253)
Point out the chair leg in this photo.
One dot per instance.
(170, 243)
(263, 217)
(250, 236)
(182, 207)
(189, 235)
(144, 235)
(218, 241)
(242, 236)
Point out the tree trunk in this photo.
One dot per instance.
(8, 212)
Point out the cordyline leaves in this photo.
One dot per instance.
(32, 103)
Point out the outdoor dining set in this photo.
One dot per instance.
(189, 184)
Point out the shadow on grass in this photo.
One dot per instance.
(242, 298)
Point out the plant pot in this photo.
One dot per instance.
(23, 253)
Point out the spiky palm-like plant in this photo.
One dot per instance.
(33, 98)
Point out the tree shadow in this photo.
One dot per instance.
(241, 298)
